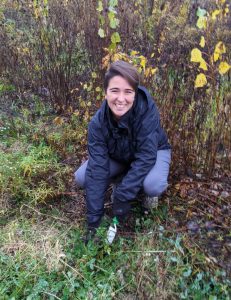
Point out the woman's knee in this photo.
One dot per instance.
(80, 175)
(154, 188)
(79, 178)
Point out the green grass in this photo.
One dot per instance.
(44, 258)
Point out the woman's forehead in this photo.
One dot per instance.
(119, 82)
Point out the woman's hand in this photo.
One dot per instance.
(121, 208)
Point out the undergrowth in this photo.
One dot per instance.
(33, 154)
(44, 258)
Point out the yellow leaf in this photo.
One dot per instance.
(76, 113)
(200, 80)
(36, 12)
(27, 170)
(147, 72)
(70, 109)
(196, 55)
(224, 67)
(106, 61)
(82, 104)
(93, 75)
(203, 65)
(221, 47)
(215, 56)
(98, 89)
(26, 50)
(139, 69)
(117, 56)
(37, 68)
(142, 61)
(150, 71)
(152, 55)
(133, 53)
(86, 115)
(219, 50)
(226, 10)
(153, 71)
(202, 42)
(215, 13)
(201, 22)
(58, 121)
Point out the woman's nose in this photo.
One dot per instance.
(121, 97)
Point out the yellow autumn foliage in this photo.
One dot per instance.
(202, 41)
(196, 55)
(215, 56)
(215, 13)
(58, 121)
(203, 65)
(134, 53)
(219, 50)
(202, 23)
(224, 67)
(200, 80)
(119, 56)
(154, 70)
(150, 71)
(143, 61)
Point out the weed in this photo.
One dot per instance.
(40, 258)
(6, 88)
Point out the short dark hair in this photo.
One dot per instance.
(125, 70)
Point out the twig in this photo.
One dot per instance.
(65, 232)
(120, 289)
(67, 194)
(206, 252)
(101, 269)
(205, 203)
(149, 251)
(40, 213)
(73, 269)
(210, 199)
(56, 297)
(141, 274)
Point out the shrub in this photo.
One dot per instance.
(66, 61)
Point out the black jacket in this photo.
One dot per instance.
(133, 141)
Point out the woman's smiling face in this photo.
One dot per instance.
(120, 96)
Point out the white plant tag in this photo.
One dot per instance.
(111, 234)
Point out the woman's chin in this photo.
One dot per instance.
(118, 114)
